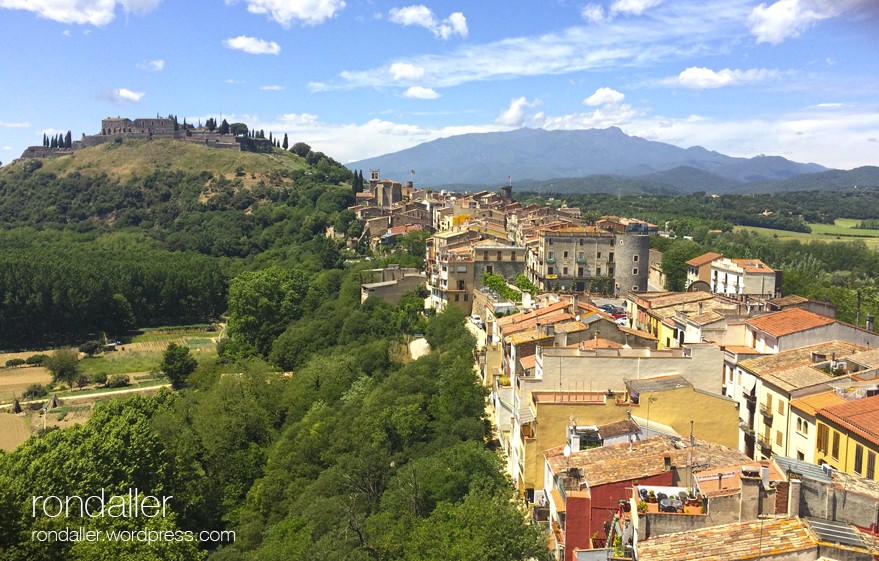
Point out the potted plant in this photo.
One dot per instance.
(651, 497)
(683, 496)
(642, 506)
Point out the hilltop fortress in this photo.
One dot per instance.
(146, 128)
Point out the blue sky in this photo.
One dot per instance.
(360, 78)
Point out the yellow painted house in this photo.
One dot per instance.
(671, 401)
(848, 436)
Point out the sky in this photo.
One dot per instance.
(361, 78)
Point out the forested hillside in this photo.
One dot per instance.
(310, 434)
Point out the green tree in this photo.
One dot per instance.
(301, 149)
(177, 363)
(63, 365)
(224, 127)
(415, 242)
(674, 262)
(263, 303)
(238, 129)
(90, 348)
(99, 378)
(12, 363)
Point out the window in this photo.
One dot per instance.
(513, 256)
(635, 258)
(871, 465)
(460, 285)
(456, 297)
(581, 241)
(489, 270)
(566, 255)
(500, 256)
(551, 254)
(550, 270)
(579, 271)
(485, 255)
(610, 271)
(635, 288)
(550, 241)
(580, 255)
(621, 242)
(769, 402)
(598, 271)
(800, 456)
(859, 459)
(609, 257)
(805, 427)
(462, 269)
(565, 271)
(778, 438)
(599, 255)
(799, 425)
(780, 407)
(822, 437)
(635, 271)
(834, 453)
(466, 297)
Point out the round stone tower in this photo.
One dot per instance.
(631, 262)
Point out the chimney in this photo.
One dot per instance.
(700, 308)
(666, 462)
(870, 322)
(749, 507)
(541, 330)
(575, 304)
(793, 498)
(549, 330)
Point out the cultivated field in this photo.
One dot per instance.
(13, 381)
(824, 233)
(14, 430)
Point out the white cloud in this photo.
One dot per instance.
(455, 24)
(633, 7)
(231, 81)
(604, 96)
(417, 92)
(788, 18)
(121, 96)
(95, 12)
(252, 45)
(14, 125)
(407, 72)
(593, 13)
(276, 88)
(674, 31)
(514, 115)
(309, 12)
(704, 78)
(66, 32)
(154, 65)
(6, 148)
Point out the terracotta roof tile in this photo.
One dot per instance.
(812, 403)
(703, 259)
(785, 322)
(801, 356)
(731, 542)
(860, 416)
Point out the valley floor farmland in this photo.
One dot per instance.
(821, 233)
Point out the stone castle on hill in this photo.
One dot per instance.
(146, 128)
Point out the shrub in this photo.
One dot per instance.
(99, 378)
(12, 363)
(118, 381)
(35, 390)
(83, 381)
(36, 360)
(91, 348)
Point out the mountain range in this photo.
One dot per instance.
(481, 159)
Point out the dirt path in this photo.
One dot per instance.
(99, 395)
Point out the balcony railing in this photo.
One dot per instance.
(552, 277)
(749, 397)
(766, 410)
(581, 260)
(746, 428)
(765, 441)
(550, 259)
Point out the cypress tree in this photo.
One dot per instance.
(285, 145)
(68, 140)
(272, 140)
(45, 140)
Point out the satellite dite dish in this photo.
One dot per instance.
(577, 317)
(567, 450)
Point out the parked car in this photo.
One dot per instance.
(617, 314)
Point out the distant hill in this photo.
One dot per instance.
(489, 158)
(583, 185)
(142, 157)
(866, 176)
(692, 179)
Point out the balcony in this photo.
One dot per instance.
(749, 398)
(581, 260)
(765, 442)
(746, 428)
(550, 259)
(766, 410)
(552, 277)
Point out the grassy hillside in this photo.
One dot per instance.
(142, 157)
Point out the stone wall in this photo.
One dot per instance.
(820, 500)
